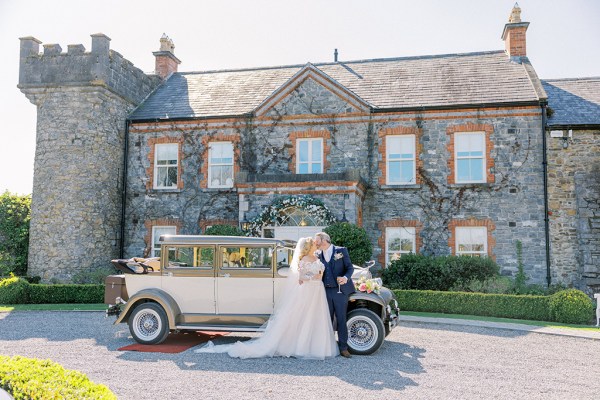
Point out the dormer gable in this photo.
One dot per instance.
(311, 91)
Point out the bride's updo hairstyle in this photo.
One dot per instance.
(305, 246)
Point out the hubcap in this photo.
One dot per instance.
(362, 333)
(147, 324)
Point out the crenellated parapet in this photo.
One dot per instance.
(99, 67)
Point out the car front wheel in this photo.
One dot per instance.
(148, 323)
(365, 331)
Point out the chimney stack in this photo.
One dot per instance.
(514, 35)
(166, 62)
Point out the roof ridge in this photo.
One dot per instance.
(585, 78)
(432, 56)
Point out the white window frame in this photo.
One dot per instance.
(388, 160)
(309, 162)
(483, 157)
(211, 165)
(157, 167)
(471, 230)
(412, 231)
(156, 236)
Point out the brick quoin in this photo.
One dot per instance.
(397, 131)
(158, 222)
(309, 134)
(398, 223)
(489, 145)
(472, 222)
(152, 142)
(220, 137)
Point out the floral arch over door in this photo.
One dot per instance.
(292, 211)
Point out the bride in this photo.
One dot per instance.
(300, 325)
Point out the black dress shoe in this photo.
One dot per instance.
(345, 353)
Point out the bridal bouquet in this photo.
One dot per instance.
(367, 285)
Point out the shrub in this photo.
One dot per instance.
(490, 305)
(415, 271)
(15, 213)
(96, 276)
(354, 238)
(571, 306)
(495, 284)
(29, 378)
(224, 230)
(69, 294)
(14, 290)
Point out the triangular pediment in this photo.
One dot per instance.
(311, 91)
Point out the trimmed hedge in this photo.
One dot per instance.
(30, 378)
(538, 308)
(69, 294)
(18, 291)
(352, 237)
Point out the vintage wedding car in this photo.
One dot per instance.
(225, 283)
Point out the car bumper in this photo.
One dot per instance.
(393, 314)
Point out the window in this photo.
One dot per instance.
(310, 156)
(469, 156)
(247, 257)
(400, 159)
(157, 231)
(220, 165)
(399, 241)
(191, 257)
(471, 241)
(166, 166)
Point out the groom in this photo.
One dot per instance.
(336, 277)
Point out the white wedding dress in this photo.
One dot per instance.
(300, 326)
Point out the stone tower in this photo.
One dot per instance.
(83, 100)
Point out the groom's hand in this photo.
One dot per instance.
(342, 280)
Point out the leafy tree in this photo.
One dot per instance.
(15, 213)
(352, 237)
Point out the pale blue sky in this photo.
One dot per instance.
(562, 40)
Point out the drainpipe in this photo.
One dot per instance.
(124, 189)
(546, 211)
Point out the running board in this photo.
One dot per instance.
(221, 328)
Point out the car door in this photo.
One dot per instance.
(245, 280)
(189, 277)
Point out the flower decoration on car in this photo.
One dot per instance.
(368, 285)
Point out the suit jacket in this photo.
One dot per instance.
(340, 265)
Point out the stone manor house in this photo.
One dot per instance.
(444, 154)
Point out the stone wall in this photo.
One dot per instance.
(83, 100)
(574, 203)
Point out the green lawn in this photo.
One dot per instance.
(53, 307)
(507, 320)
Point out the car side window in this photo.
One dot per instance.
(191, 257)
(247, 257)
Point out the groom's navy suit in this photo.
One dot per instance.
(338, 265)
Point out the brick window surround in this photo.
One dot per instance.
(309, 134)
(205, 223)
(234, 139)
(398, 223)
(472, 222)
(488, 129)
(397, 131)
(158, 222)
(152, 142)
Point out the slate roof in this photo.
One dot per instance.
(394, 83)
(574, 101)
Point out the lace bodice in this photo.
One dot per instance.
(309, 270)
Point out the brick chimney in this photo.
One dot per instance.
(166, 62)
(514, 34)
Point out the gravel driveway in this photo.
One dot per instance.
(417, 361)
